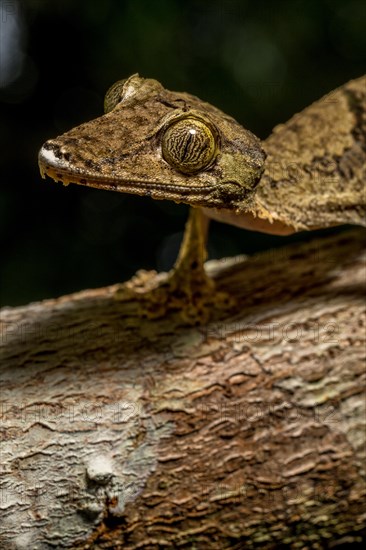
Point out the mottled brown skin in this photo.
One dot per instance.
(315, 170)
(311, 174)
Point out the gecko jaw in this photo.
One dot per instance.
(192, 194)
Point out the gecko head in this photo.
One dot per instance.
(163, 144)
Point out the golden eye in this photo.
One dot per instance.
(188, 145)
(114, 95)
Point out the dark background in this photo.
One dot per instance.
(259, 61)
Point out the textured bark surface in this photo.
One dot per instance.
(247, 432)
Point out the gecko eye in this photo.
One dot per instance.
(188, 145)
(114, 95)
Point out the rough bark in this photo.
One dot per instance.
(246, 432)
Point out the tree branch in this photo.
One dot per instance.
(248, 432)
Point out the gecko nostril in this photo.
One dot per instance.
(53, 147)
(49, 145)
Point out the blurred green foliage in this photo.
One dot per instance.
(259, 61)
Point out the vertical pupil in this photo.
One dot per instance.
(189, 144)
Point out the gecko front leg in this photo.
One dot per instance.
(187, 289)
(189, 266)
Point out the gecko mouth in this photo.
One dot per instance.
(200, 195)
(132, 185)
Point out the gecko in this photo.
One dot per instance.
(308, 174)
